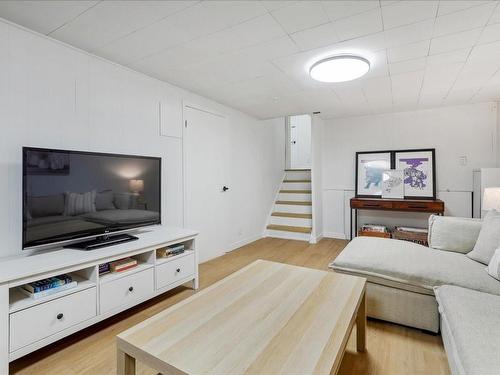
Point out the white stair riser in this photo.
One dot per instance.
(301, 175)
(296, 186)
(292, 208)
(294, 197)
(288, 235)
(292, 221)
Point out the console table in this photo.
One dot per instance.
(28, 324)
(433, 206)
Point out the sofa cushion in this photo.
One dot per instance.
(104, 200)
(450, 233)
(49, 205)
(471, 323)
(413, 267)
(489, 238)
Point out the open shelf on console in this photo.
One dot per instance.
(169, 259)
(20, 301)
(144, 261)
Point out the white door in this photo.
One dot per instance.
(300, 141)
(206, 161)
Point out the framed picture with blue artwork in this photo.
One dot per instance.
(370, 167)
(419, 167)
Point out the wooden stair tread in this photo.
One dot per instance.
(298, 170)
(288, 228)
(296, 203)
(303, 181)
(291, 214)
(296, 191)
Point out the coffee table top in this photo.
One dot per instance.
(267, 318)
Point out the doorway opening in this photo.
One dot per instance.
(298, 142)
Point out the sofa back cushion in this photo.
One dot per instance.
(104, 200)
(494, 266)
(488, 240)
(456, 234)
(49, 205)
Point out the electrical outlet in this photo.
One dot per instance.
(462, 160)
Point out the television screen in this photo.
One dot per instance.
(75, 194)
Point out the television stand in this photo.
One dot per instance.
(102, 241)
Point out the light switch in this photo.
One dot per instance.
(462, 160)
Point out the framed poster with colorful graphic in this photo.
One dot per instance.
(369, 169)
(419, 168)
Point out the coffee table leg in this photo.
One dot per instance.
(361, 326)
(125, 364)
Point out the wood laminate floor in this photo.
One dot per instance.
(391, 349)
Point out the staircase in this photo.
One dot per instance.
(292, 214)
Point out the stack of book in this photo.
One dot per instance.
(123, 264)
(104, 268)
(374, 230)
(170, 251)
(46, 287)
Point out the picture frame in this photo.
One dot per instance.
(370, 166)
(419, 166)
(392, 184)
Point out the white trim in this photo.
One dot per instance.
(238, 244)
(271, 210)
(340, 236)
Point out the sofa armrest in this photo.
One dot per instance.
(456, 234)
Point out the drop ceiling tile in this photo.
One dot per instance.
(406, 87)
(440, 79)
(316, 37)
(487, 94)
(491, 33)
(408, 12)
(362, 24)
(301, 16)
(232, 12)
(271, 5)
(455, 41)
(43, 16)
(272, 49)
(408, 51)
(487, 52)
(407, 66)
(378, 92)
(341, 9)
(451, 6)
(442, 59)
(409, 34)
(463, 20)
(460, 96)
(110, 20)
(495, 17)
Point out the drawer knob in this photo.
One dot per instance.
(60, 316)
(178, 270)
(131, 289)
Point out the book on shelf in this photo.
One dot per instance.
(170, 251)
(412, 229)
(46, 284)
(123, 264)
(104, 268)
(48, 292)
(374, 228)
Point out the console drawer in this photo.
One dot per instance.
(40, 321)
(177, 269)
(126, 290)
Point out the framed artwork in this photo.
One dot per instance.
(392, 184)
(419, 168)
(369, 169)
(47, 163)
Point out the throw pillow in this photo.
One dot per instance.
(104, 200)
(123, 201)
(494, 266)
(78, 204)
(488, 240)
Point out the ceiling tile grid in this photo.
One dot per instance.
(254, 55)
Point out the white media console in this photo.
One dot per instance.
(27, 324)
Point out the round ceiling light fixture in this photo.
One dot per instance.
(339, 68)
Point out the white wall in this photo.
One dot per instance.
(317, 129)
(52, 95)
(468, 130)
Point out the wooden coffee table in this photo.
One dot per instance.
(267, 318)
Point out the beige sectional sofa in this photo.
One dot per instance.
(433, 287)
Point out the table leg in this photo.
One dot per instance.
(361, 325)
(125, 364)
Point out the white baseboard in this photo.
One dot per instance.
(243, 242)
(316, 239)
(339, 236)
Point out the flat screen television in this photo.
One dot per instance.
(75, 195)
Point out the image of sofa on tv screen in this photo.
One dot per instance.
(67, 214)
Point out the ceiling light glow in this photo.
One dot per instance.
(340, 68)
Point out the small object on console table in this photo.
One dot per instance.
(432, 206)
